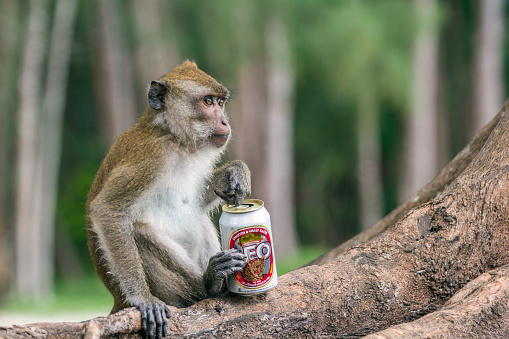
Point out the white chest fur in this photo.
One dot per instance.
(172, 206)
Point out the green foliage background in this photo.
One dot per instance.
(341, 50)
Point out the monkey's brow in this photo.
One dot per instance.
(216, 95)
(204, 91)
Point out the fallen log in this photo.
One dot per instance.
(407, 275)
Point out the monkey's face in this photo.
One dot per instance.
(213, 116)
(191, 105)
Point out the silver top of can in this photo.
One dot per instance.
(249, 205)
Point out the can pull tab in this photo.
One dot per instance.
(241, 207)
(248, 205)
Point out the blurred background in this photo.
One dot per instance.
(342, 109)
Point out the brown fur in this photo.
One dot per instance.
(141, 262)
(189, 71)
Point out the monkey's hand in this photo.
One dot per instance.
(154, 312)
(238, 178)
(220, 266)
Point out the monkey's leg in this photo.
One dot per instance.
(174, 278)
(171, 275)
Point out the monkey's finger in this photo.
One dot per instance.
(227, 255)
(239, 198)
(224, 195)
(167, 311)
(233, 185)
(238, 248)
(146, 327)
(230, 270)
(150, 322)
(160, 322)
(237, 269)
(227, 266)
(143, 311)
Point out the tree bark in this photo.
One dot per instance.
(479, 310)
(446, 258)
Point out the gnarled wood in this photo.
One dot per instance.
(479, 310)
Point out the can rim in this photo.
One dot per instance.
(249, 205)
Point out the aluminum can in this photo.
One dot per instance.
(247, 228)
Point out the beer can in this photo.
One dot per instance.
(247, 228)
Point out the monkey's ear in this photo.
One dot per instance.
(157, 95)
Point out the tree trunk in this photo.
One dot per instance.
(489, 90)
(156, 49)
(262, 121)
(422, 128)
(28, 230)
(279, 169)
(49, 147)
(369, 160)
(249, 110)
(8, 59)
(441, 269)
(113, 85)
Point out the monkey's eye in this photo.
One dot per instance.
(208, 101)
(220, 102)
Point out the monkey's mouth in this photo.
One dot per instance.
(219, 139)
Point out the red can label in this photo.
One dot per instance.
(256, 244)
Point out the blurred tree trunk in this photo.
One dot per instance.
(369, 160)
(489, 84)
(113, 72)
(50, 127)
(263, 122)
(249, 111)
(279, 169)
(156, 50)
(422, 127)
(9, 40)
(249, 105)
(29, 276)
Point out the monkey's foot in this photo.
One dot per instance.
(154, 313)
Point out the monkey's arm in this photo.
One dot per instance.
(113, 226)
(189, 286)
(231, 182)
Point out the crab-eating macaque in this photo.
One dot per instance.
(148, 211)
